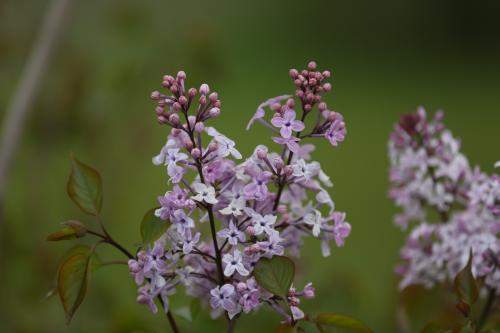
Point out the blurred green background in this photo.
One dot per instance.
(387, 57)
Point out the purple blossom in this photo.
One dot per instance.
(287, 123)
(257, 189)
(336, 132)
(341, 229)
(260, 113)
(290, 142)
(224, 298)
(232, 234)
(234, 263)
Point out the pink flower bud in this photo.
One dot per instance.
(174, 119)
(196, 153)
(192, 92)
(202, 100)
(199, 127)
(290, 103)
(204, 89)
(162, 119)
(192, 121)
(312, 82)
(183, 100)
(166, 84)
(282, 209)
(217, 103)
(155, 95)
(311, 66)
(293, 73)
(241, 287)
(299, 93)
(176, 131)
(288, 170)
(326, 74)
(159, 110)
(275, 107)
(176, 106)
(212, 147)
(261, 154)
(307, 107)
(322, 106)
(214, 112)
(278, 163)
(174, 89)
(250, 230)
(213, 97)
(188, 145)
(327, 87)
(181, 75)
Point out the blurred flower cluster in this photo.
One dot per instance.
(226, 214)
(456, 207)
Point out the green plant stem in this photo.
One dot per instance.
(231, 324)
(486, 310)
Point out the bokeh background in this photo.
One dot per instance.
(387, 57)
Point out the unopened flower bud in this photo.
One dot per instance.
(299, 93)
(282, 209)
(188, 145)
(290, 103)
(174, 119)
(176, 106)
(278, 163)
(204, 89)
(202, 100)
(217, 103)
(213, 97)
(192, 121)
(288, 170)
(212, 147)
(241, 287)
(312, 82)
(175, 132)
(307, 107)
(275, 107)
(322, 106)
(261, 154)
(181, 75)
(311, 66)
(250, 230)
(326, 74)
(327, 87)
(183, 100)
(199, 127)
(162, 119)
(293, 73)
(174, 89)
(159, 110)
(155, 95)
(214, 112)
(196, 153)
(192, 92)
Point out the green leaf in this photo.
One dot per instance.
(152, 227)
(466, 286)
(195, 307)
(73, 278)
(85, 187)
(71, 230)
(340, 324)
(275, 274)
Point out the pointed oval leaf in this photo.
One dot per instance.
(152, 227)
(465, 285)
(73, 278)
(275, 274)
(340, 324)
(85, 187)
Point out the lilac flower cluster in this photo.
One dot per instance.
(258, 208)
(456, 207)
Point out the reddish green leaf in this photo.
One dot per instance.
(85, 187)
(275, 274)
(73, 278)
(152, 227)
(466, 286)
(330, 322)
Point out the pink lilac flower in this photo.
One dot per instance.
(336, 132)
(234, 263)
(232, 234)
(255, 207)
(287, 123)
(257, 189)
(223, 297)
(291, 143)
(204, 193)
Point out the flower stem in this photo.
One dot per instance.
(170, 317)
